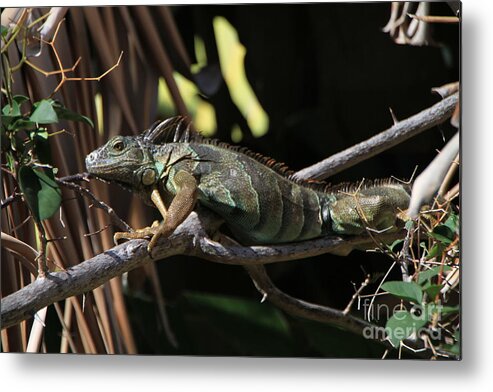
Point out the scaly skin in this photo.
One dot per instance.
(172, 168)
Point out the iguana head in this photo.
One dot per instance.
(126, 160)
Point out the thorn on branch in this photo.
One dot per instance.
(356, 294)
(97, 231)
(394, 118)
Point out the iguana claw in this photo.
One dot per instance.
(154, 231)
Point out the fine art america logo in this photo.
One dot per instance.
(402, 323)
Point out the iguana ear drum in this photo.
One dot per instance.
(148, 176)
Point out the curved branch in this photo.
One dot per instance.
(302, 308)
(324, 314)
(428, 182)
(398, 133)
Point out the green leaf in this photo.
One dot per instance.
(402, 325)
(40, 191)
(436, 250)
(66, 114)
(446, 310)
(3, 31)
(433, 289)
(395, 244)
(13, 110)
(409, 291)
(21, 123)
(10, 161)
(443, 311)
(20, 99)
(443, 234)
(430, 273)
(452, 348)
(452, 222)
(409, 225)
(6, 121)
(44, 112)
(41, 145)
(12, 113)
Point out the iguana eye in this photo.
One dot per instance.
(118, 146)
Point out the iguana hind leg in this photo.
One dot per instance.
(181, 206)
(355, 214)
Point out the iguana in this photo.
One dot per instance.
(172, 167)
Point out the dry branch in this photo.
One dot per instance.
(188, 239)
(301, 308)
(435, 18)
(428, 182)
(398, 133)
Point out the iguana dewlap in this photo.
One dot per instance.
(172, 168)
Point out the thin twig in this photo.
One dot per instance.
(377, 290)
(452, 193)
(435, 19)
(448, 177)
(9, 200)
(356, 295)
(73, 178)
(404, 256)
(16, 30)
(61, 70)
(69, 183)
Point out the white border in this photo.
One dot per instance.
(138, 373)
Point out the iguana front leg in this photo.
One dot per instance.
(181, 206)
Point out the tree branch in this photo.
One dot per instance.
(324, 314)
(398, 133)
(10, 199)
(81, 278)
(302, 308)
(189, 239)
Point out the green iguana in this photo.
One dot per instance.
(173, 167)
